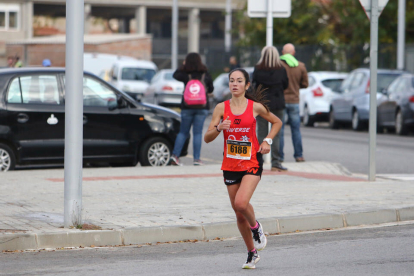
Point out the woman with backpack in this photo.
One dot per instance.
(194, 105)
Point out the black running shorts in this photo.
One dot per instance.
(231, 177)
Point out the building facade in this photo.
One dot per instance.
(201, 23)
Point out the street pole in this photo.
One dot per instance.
(373, 89)
(174, 37)
(73, 113)
(227, 37)
(269, 23)
(401, 34)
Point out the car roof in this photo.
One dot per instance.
(327, 74)
(382, 71)
(31, 70)
(140, 63)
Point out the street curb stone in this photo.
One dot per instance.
(143, 235)
(288, 225)
(18, 242)
(373, 217)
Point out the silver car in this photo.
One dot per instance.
(164, 89)
(352, 105)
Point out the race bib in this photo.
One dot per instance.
(239, 150)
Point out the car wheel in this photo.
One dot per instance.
(7, 158)
(356, 122)
(332, 122)
(400, 128)
(156, 151)
(308, 120)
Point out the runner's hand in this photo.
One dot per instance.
(264, 148)
(225, 124)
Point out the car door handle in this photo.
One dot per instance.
(22, 118)
(85, 119)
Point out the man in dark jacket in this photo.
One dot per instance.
(298, 78)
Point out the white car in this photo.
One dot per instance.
(315, 100)
(164, 89)
(133, 76)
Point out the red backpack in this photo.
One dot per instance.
(195, 93)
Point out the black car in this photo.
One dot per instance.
(396, 105)
(116, 129)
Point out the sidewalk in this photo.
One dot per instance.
(145, 204)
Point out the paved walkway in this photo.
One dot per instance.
(31, 202)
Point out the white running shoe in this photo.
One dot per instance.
(259, 238)
(252, 259)
(175, 161)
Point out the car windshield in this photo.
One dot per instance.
(384, 80)
(168, 76)
(334, 84)
(137, 74)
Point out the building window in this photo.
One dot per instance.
(9, 17)
(2, 19)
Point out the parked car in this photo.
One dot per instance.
(100, 64)
(221, 90)
(315, 100)
(352, 106)
(116, 129)
(164, 89)
(133, 76)
(396, 105)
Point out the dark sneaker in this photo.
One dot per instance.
(300, 159)
(259, 238)
(198, 163)
(278, 168)
(175, 161)
(252, 259)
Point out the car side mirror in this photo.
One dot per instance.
(114, 78)
(122, 103)
(384, 91)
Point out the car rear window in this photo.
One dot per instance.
(137, 74)
(384, 80)
(168, 76)
(333, 84)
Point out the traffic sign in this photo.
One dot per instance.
(366, 4)
(258, 8)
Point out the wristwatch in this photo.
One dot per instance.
(268, 140)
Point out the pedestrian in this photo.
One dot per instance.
(10, 62)
(17, 63)
(233, 64)
(270, 74)
(298, 78)
(242, 157)
(46, 63)
(192, 69)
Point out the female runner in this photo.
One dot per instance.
(242, 159)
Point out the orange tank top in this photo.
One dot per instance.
(240, 140)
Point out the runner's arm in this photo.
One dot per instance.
(212, 132)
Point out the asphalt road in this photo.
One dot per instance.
(369, 251)
(345, 146)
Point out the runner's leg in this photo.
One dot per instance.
(240, 195)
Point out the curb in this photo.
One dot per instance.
(204, 232)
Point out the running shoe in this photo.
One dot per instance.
(198, 163)
(175, 161)
(259, 238)
(252, 259)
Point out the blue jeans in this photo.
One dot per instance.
(196, 118)
(292, 111)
